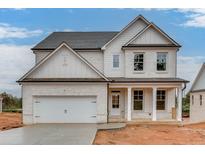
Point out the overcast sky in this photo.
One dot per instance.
(21, 29)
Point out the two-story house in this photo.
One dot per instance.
(99, 77)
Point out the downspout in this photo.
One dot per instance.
(184, 87)
(182, 98)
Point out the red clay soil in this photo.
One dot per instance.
(153, 135)
(10, 120)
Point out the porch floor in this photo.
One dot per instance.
(146, 121)
(165, 122)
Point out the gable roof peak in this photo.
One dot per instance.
(151, 24)
(63, 44)
(140, 16)
(197, 76)
(126, 27)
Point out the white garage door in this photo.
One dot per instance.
(65, 109)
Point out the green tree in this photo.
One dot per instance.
(11, 102)
(186, 104)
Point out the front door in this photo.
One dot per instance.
(115, 104)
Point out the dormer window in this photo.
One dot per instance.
(139, 62)
(161, 61)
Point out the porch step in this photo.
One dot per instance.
(109, 126)
(136, 122)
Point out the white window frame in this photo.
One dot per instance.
(201, 100)
(143, 105)
(166, 96)
(166, 65)
(113, 61)
(138, 53)
(113, 94)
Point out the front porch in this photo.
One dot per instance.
(145, 102)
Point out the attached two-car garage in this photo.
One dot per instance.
(64, 109)
(64, 103)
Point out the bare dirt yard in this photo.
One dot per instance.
(153, 135)
(10, 120)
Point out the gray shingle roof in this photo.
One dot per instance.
(76, 40)
(62, 80)
(113, 80)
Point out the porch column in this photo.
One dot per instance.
(154, 112)
(129, 106)
(179, 104)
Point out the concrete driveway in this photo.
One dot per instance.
(50, 134)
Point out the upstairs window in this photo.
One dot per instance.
(161, 99)
(139, 62)
(200, 100)
(161, 61)
(116, 61)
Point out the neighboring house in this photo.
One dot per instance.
(99, 77)
(197, 97)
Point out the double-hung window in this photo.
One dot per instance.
(139, 62)
(161, 61)
(161, 99)
(192, 99)
(116, 61)
(201, 100)
(138, 100)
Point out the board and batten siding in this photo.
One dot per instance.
(115, 48)
(39, 55)
(64, 64)
(151, 36)
(94, 57)
(30, 91)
